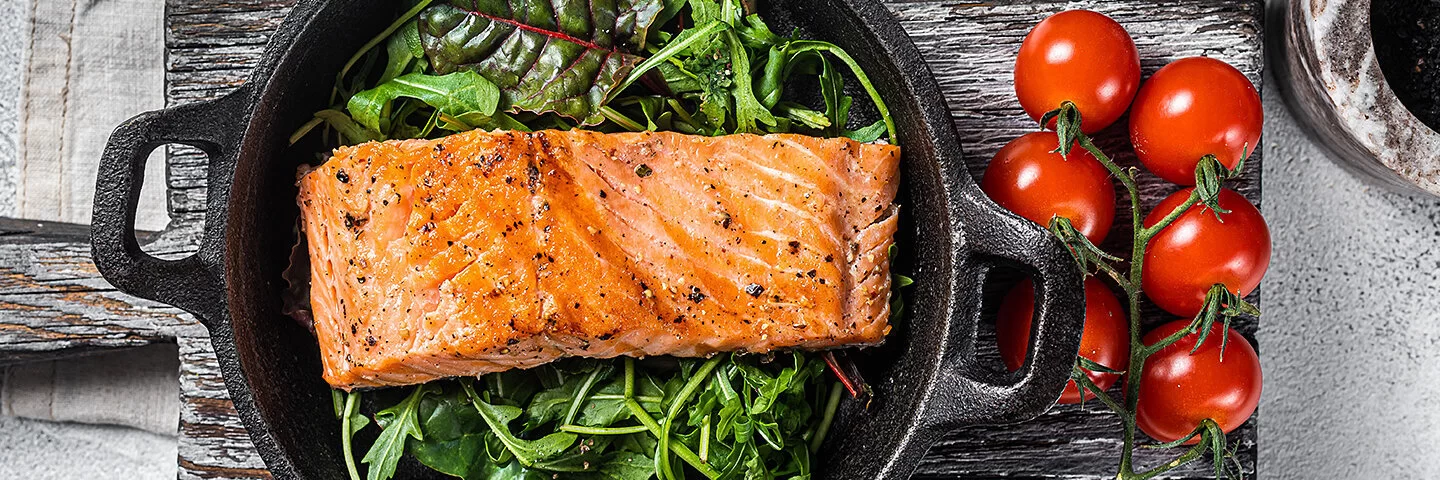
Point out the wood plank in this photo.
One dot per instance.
(212, 45)
(53, 301)
(61, 304)
(971, 48)
(214, 444)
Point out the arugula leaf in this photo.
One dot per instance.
(804, 116)
(353, 133)
(454, 434)
(837, 104)
(527, 452)
(516, 386)
(398, 423)
(607, 406)
(748, 110)
(769, 387)
(772, 78)
(798, 47)
(754, 33)
(867, 134)
(463, 96)
(706, 11)
(365, 49)
(347, 406)
(621, 465)
(563, 402)
(401, 50)
(510, 471)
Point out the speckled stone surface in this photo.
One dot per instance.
(1350, 343)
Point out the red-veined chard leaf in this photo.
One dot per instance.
(562, 56)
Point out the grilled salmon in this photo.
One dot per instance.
(486, 251)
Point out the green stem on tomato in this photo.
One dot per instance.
(1149, 232)
(1137, 259)
(1137, 347)
(1190, 455)
(1167, 341)
(1084, 381)
(1139, 352)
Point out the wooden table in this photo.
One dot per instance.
(53, 302)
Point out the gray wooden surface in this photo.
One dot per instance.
(52, 302)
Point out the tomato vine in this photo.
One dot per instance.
(1221, 305)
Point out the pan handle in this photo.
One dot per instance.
(192, 283)
(981, 393)
(966, 391)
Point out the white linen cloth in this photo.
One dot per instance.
(81, 68)
(70, 71)
(135, 388)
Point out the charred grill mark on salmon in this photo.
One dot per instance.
(482, 252)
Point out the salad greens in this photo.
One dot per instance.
(730, 416)
(443, 69)
(705, 67)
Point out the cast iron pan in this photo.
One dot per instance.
(927, 378)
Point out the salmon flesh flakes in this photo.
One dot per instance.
(486, 251)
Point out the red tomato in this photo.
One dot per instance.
(1105, 339)
(1185, 259)
(1080, 56)
(1179, 389)
(1193, 107)
(1027, 179)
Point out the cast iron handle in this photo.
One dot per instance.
(193, 283)
(1058, 321)
(965, 391)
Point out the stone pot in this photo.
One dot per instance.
(1323, 54)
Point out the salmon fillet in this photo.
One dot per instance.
(486, 251)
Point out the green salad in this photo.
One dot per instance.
(701, 67)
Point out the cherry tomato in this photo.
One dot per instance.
(1193, 107)
(1080, 56)
(1179, 389)
(1027, 179)
(1105, 339)
(1197, 251)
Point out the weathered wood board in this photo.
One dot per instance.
(52, 301)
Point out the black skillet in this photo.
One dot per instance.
(927, 378)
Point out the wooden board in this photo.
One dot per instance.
(52, 302)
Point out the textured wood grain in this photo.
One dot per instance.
(53, 301)
(51, 298)
(213, 443)
(211, 46)
(971, 48)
